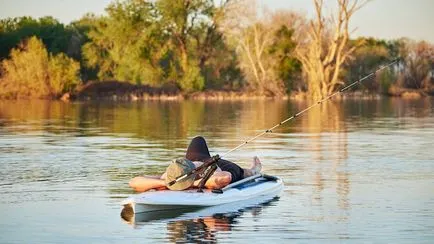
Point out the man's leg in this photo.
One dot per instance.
(198, 151)
(254, 169)
(218, 180)
(223, 178)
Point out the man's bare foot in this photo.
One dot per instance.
(256, 166)
(254, 169)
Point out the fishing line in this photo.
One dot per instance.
(311, 106)
(210, 165)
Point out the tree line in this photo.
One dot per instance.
(197, 45)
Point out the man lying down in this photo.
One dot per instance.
(197, 153)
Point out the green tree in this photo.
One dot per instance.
(147, 42)
(288, 68)
(79, 30)
(370, 54)
(54, 35)
(192, 29)
(127, 44)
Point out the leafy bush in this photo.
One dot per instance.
(32, 72)
(62, 72)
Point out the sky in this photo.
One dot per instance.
(385, 19)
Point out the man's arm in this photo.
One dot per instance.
(145, 183)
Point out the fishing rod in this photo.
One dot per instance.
(311, 106)
(209, 166)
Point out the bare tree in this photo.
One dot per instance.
(248, 34)
(252, 33)
(324, 49)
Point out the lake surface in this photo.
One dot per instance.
(354, 170)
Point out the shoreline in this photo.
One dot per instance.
(122, 91)
(234, 96)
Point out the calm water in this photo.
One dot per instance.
(358, 170)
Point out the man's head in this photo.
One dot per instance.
(177, 168)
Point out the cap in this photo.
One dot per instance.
(177, 168)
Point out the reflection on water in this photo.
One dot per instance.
(179, 119)
(335, 150)
(197, 224)
(354, 169)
